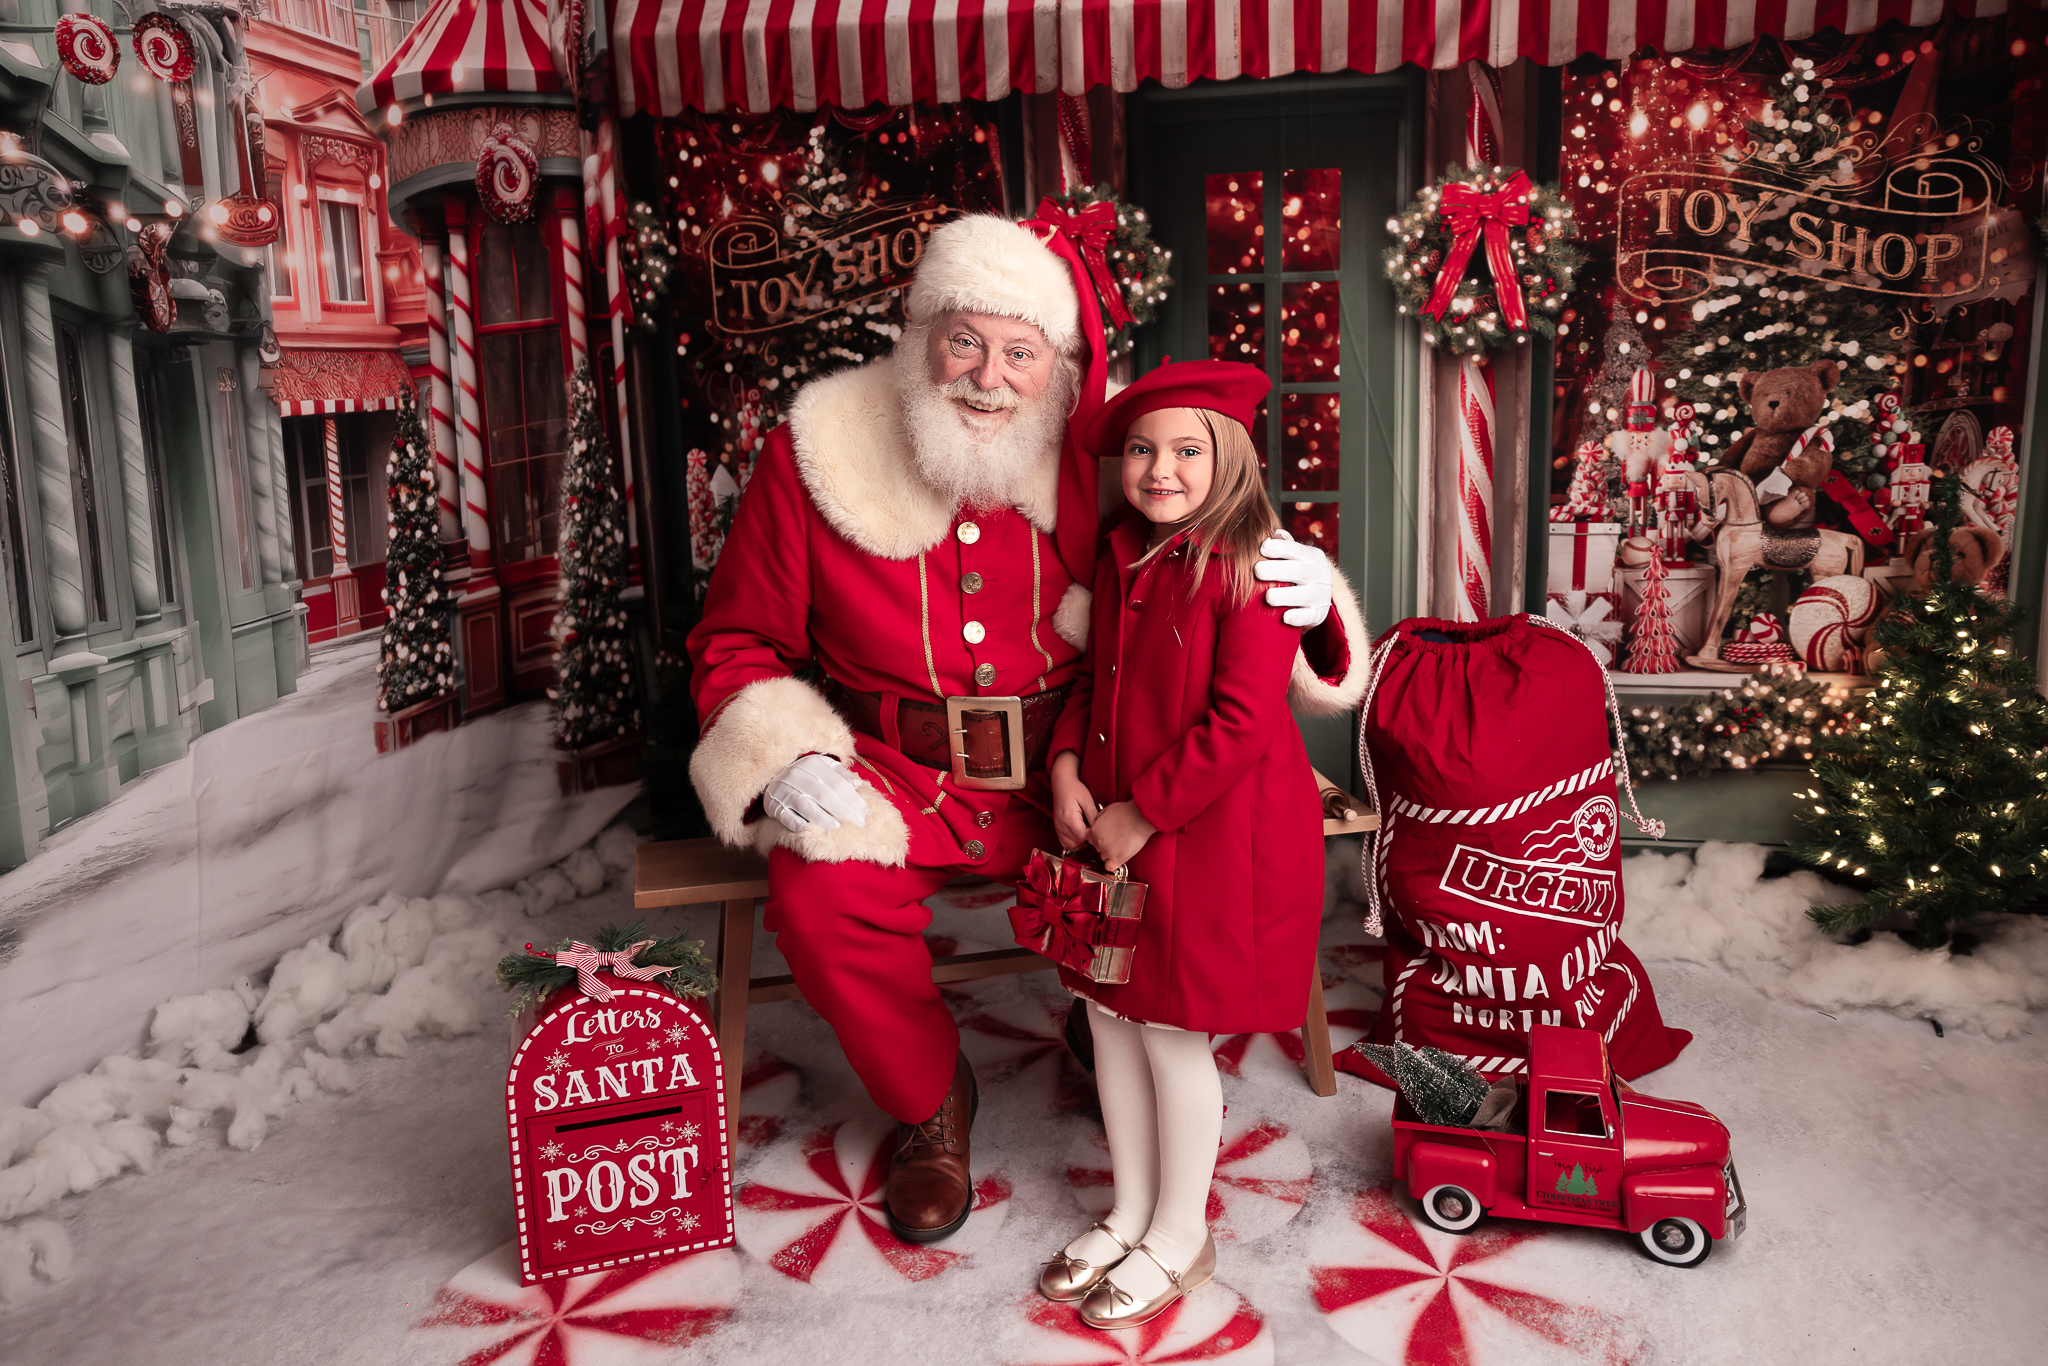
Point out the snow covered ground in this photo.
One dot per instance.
(1898, 1206)
(269, 831)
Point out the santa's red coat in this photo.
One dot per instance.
(1182, 708)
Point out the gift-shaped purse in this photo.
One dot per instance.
(1082, 918)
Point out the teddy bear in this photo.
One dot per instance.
(1978, 552)
(1783, 403)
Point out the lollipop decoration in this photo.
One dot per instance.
(85, 44)
(507, 176)
(163, 47)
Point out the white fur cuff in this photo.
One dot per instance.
(1316, 696)
(761, 729)
(1070, 619)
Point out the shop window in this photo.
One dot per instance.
(14, 530)
(364, 440)
(277, 259)
(85, 492)
(306, 461)
(525, 399)
(149, 382)
(341, 228)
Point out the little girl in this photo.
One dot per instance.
(1180, 727)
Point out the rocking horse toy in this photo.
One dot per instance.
(1743, 541)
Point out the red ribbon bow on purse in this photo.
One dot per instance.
(1468, 211)
(587, 961)
(1049, 895)
(1089, 230)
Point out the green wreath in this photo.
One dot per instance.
(1545, 261)
(1143, 268)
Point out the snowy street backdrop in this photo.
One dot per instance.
(339, 1193)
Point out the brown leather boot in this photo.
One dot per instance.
(929, 1188)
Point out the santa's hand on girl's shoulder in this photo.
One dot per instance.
(1119, 833)
(1303, 575)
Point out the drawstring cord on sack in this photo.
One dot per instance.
(1653, 828)
(1375, 919)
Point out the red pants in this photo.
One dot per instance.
(853, 933)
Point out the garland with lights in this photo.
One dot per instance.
(1937, 799)
(1776, 713)
(1491, 215)
(1143, 269)
(650, 262)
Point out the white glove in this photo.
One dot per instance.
(1304, 575)
(817, 791)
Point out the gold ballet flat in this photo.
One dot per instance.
(1108, 1307)
(1066, 1279)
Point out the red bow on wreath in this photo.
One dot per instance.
(1467, 211)
(1089, 230)
(588, 960)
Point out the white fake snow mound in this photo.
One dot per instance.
(397, 970)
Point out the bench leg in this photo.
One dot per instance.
(735, 971)
(1315, 1039)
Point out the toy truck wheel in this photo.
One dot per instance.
(1451, 1208)
(1677, 1242)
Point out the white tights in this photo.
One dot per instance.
(1162, 1105)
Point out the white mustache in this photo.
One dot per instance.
(988, 400)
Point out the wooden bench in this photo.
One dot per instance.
(691, 872)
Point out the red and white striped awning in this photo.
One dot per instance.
(308, 382)
(752, 55)
(1120, 43)
(467, 47)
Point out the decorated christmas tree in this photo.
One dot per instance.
(594, 694)
(1650, 647)
(417, 662)
(1940, 801)
(1622, 354)
(1753, 319)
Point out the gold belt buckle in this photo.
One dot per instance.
(1011, 709)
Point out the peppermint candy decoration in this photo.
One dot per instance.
(163, 47)
(85, 44)
(507, 176)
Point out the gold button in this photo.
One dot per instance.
(1136, 603)
(969, 533)
(975, 849)
(984, 674)
(1104, 739)
(984, 818)
(970, 583)
(975, 632)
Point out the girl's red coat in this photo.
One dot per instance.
(1182, 708)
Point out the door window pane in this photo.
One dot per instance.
(306, 459)
(1236, 209)
(513, 284)
(1308, 331)
(1309, 223)
(15, 530)
(1308, 442)
(527, 430)
(84, 486)
(149, 395)
(1312, 524)
(342, 227)
(234, 465)
(1237, 324)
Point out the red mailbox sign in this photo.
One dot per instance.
(616, 1110)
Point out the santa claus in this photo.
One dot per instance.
(886, 643)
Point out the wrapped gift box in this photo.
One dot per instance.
(1582, 557)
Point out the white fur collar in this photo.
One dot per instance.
(854, 457)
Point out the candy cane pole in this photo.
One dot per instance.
(440, 396)
(476, 504)
(337, 523)
(572, 289)
(1475, 394)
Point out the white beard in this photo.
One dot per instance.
(1017, 466)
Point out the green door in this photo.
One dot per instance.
(1273, 197)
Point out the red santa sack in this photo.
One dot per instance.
(1497, 866)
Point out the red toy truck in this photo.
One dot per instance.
(1580, 1148)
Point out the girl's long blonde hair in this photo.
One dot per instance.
(1236, 517)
